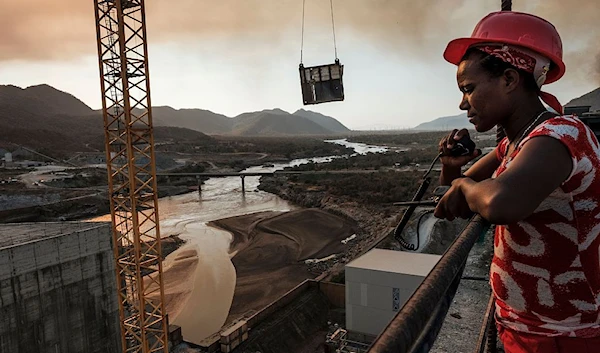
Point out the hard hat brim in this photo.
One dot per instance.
(457, 48)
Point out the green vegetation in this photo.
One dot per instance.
(282, 147)
(396, 174)
(422, 138)
(375, 161)
(371, 188)
(429, 138)
(8, 173)
(80, 178)
(183, 180)
(191, 168)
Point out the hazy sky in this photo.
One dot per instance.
(234, 56)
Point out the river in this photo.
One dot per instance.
(206, 294)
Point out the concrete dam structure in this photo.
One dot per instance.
(55, 276)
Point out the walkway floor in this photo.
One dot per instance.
(460, 331)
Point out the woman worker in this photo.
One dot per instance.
(541, 186)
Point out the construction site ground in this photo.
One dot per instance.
(460, 331)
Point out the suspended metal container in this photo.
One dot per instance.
(322, 84)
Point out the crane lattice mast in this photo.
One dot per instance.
(124, 80)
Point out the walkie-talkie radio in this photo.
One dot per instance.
(463, 147)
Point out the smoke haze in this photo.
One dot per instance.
(32, 30)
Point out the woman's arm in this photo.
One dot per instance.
(480, 170)
(541, 166)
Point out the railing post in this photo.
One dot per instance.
(243, 184)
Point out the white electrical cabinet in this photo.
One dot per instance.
(379, 283)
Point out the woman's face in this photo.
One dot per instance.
(484, 96)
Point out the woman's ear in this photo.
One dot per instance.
(511, 79)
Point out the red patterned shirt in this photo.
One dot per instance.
(545, 273)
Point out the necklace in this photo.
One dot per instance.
(526, 131)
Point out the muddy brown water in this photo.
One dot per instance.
(199, 277)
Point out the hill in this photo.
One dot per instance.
(57, 123)
(268, 122)
(60, 102)
(592, 99)
(179, 134)
(41, 99)
(275, 123)
(327, 122)
(446, 123)
(460, 121)
(196, 119)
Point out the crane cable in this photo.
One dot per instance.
(333, 29)
(506, 5)
(302, 42)
(332, 26)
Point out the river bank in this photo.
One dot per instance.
(202, 272)
(56, 204)
(281, 249)
(377, 220)
(373, 220)
(220, 273)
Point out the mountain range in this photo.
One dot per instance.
(460, 121)
(446, 123)
(270, 122)
(46, 118)
(56, 122)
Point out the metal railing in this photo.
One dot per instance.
(488, 334)
(416, 326)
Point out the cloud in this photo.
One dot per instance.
(577, 24)
(34, 30)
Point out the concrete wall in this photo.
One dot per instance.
(58, 294)
(291, 326)
(284, 300)
(335, 293)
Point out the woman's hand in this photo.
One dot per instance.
(447, 143)
(453, 204)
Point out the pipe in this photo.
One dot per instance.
(405, 328)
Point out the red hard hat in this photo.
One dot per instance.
(514, 28)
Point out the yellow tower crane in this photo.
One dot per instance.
(131, 167)
(127, 111)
